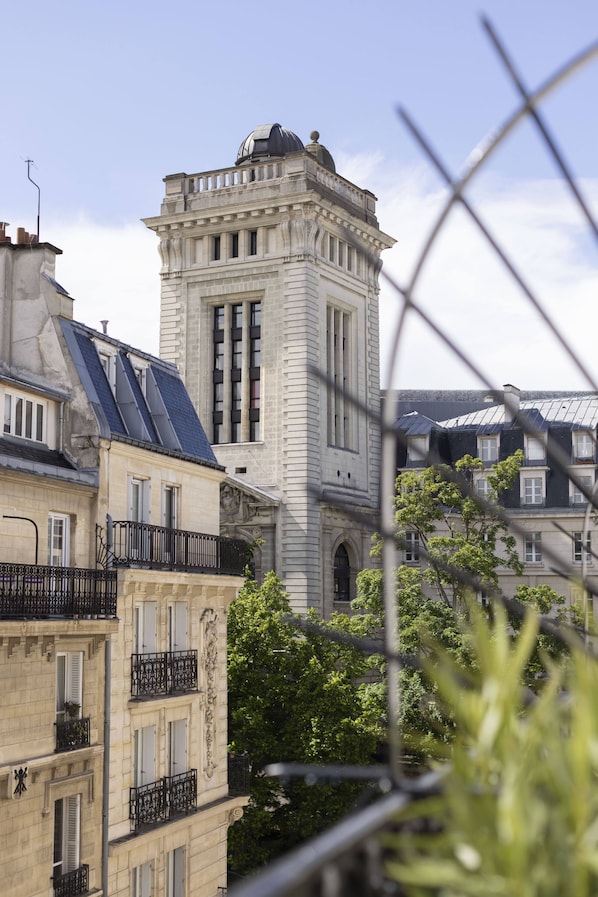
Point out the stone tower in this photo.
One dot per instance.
(269, 276)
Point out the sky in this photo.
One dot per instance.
(107, 99)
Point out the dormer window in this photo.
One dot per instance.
(140, 371)
(535, 450)
(488, 449)
(24, 416)
(108, 362)
(583, 445)
(417, 449)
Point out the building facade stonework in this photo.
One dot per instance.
(270, 301)
(114, 590)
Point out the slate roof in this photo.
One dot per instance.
(579, 411)
(162, 417)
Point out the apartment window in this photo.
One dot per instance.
(488, 449)
(177, 747)
(255, 310)
(216, 249)
(417, 449)
(349, 258)
(342, 574)
(139, 499)
(146, 627)
(339, 365)
(175, 873)
(234, 246)
(67, 834)
(144, 758)
(535, 449)
(24, 417)
(252, 242)
(255, 349)
(141, 881)
(577, 496)
(583, 445)
(69, 685)
(331, 249)
(178, 634)
(411, 548)
(237, 317)
(108, 362)
(578, 547)
(482, 488)
(170, 506)
(533, 491)
(533, 548)
(58, 540)
(237, 356)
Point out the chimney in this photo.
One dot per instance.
(4, 238)
(24, 238)
(511, 401)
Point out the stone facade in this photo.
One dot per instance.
(112, 626)
(286, 235)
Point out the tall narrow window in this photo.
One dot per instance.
(533, 493)
(252, 242)
(175, 873)
(583, 445)
(237, 371)
(144, 747)
(234, 246)
(411, 548)
(146, 622)
(339, 367)
(216, 249)
(141, 881)
(58, 540)
(342, 574)
(177, 747)
(488, 449)
(69, 685)
(67, 825)
(178, 639)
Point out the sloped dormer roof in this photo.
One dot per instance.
(159, 416)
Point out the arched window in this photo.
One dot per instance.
(342, 575)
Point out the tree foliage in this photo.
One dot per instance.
(293, 697)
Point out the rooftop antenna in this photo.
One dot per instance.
(30, 162)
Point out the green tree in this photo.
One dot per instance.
(293, 697)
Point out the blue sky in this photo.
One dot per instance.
(109, 98)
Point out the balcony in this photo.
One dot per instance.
(33, 591)
(164, 673)
(160, 548)
(72, 734)
(238, 774)
(71, 884)
(165, 799)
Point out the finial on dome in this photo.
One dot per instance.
(319, 152)
(315, 136)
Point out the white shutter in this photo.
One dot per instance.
(74, 685)
(177, 746)
(176, 873)
(150, 627)
(145, 759)
(142, 881)
(178, 626)
(72, 820)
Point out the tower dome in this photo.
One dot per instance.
(266, 141)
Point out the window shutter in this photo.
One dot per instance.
(75, 677)
(71, 832)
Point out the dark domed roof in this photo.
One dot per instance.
(268, 140)
(320, 152)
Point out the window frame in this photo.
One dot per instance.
(577, 543)
(412, 547)
(532, 548)
(488, 448)
(16, 425)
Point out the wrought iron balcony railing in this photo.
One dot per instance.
(71, 884)
(164, 673)
(33, 591)
(164, 799)
(238, 773)
(176, 549)
(72, 734)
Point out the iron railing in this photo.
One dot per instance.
(71, 884)
(159, 801)
(72, 734)
(163, 673)
(238, 773)
(33, 591)
(175, 549)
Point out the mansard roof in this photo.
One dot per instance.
(577, 411)
(160, 416)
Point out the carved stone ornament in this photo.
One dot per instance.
(20, 776)
(235, 505)
(210, 640)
